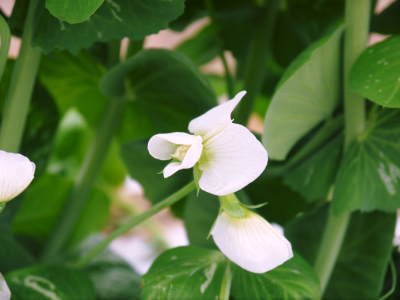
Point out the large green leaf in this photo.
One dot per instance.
(369, 175)
(50, 282)
(360, 267)
(73, 11)
(375, 74)
(113, 20)
(196, 273)
(185, 273)
(295, 279)
(306, 95)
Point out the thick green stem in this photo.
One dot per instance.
(225, 290)
(136, 220)
(21, 87)
(257, 63)
(5, 38)
(356, 37)
(86, 178)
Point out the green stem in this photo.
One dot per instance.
(257, 64)
(86, 178)
(5, 38)
(21, 87)
(230, 85)
(226, 284)
(356, 37)
(136, 220)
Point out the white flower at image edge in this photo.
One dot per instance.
(251, 242)
(5, 293)
(16, 173)
(226, 155)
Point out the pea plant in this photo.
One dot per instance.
(288, 190)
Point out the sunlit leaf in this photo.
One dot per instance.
(73, 11)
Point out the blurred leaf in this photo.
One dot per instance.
(49, 193)
(202, 47)
(185, 273)
(146, 169)
(50, 282)
(12, 254)
(375, 74)
(115, 19)
(73, 11)
(306, 95)
(387, 22)
(369, 175)
(360, 268)
(295, 279)
(201, 211)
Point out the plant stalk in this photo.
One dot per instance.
(356, 38)
(257, 64)
(136, 220)
(5, 37)
(86, 178)
(225, 291)
(21, 87)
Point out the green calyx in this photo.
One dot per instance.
(231, 205)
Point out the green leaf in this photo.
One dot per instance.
(73, 11)
(375, 74)
(369, 175)
(295, 279)
(306, 95)
(115, 19)
(185, 273)
(360, 268)
(50, 282)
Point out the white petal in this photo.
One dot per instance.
(191, 158)
(232, 160)
(5, 293)
(163, 145)
(216, 119)
(251, 242)
(16, 173)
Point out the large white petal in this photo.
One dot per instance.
(216, 119)
(5, 293)
(232, 159)
(251, 242)
(191, 158)
(163, 145)
(16, 173)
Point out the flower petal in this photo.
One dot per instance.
(16, 173)
(5, 293)
(163, 145)
(232, 159)
(251, 242)
(216, 119)
(191, 158)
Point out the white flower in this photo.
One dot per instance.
(250, 242)
(227, 156)
(5, 293)
(16, 173)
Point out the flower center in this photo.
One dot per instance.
(180, 152)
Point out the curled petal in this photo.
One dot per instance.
(163, 145)
(231, 160)
(5, 293)
(192, 156)
(216, 119)
(251, 242)
(16, 173)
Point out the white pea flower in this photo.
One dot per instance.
(16, 173)
(5, 293)
(249, 240)
(225, 155)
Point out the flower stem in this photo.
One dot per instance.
(86, 178)
(356, 37)
(21, 86)
(226, 284)
(136, 220)
(256, 66)
(5, 37)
